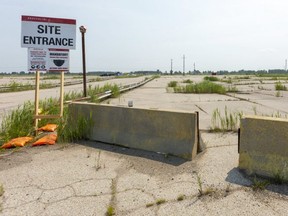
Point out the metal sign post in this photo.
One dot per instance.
(83, 31)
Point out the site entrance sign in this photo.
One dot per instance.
(47, 32)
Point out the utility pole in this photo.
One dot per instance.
(194, 67)
(285, 65)
(171, 71)
(183, 65)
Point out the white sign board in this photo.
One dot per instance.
(58, 60)
(51, 60)
(47, 32)
(37, 59)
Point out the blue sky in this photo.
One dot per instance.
(128, 35)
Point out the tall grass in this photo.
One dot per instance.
(280, 87)
(187, 81)
(70, 131)
(20, 121)
(225, 122)
(172, 84)
(15, 86)
(211, 78)
(202, 87)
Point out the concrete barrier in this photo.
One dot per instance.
(167, 132)
(263, 146)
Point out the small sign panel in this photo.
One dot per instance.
(47, 32)
(58, 60)
(37, 59)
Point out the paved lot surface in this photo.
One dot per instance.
(87, 178)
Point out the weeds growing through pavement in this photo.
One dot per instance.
(188, 81)
(160, 201)
(211, 78)
(259, 185)
(278, 178)
(172, 84)
(110, 211)
(230, 121)
(202, 87)
(149, 205)
(280, 87)
(1, 190)
(206, 191)
(181, 197)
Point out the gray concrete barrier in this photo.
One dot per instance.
(263, 146)
(168, 132)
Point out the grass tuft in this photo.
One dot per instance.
(229, 122)
(181, 197)
(280, 87)
(201, 88)
(259, 185)
(160, 201)
(110, 211)
(211, 78)
(172, 84)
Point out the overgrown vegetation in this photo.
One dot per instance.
(172, 84)
(188, 81)
(228, 122)
(15, 86)
(211, 78)
(280, 87)
(20, 121)
(202, 87)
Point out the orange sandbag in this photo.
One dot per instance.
(17, 142)
(48, 128)
(49, 139)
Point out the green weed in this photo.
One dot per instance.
(202, 87)
(278, 178)
(211, 78)
(259, 185)
(1, 190)
(160, 201)
(181, 197)
(149, 205)
(172, 84)
(18, 122)
(227, 122)
(187, 81)
(278, 94)
(280, 87)
(110, 211)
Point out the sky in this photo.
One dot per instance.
(132, 35)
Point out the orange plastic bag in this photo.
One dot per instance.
(49, 139)
(17, 142)
(48, 128)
